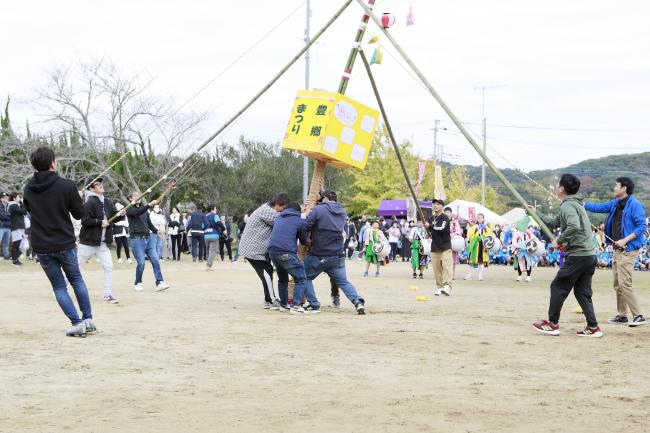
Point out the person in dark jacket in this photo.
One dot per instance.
(5, 225)
(326, 223)
(96, 233)
(51, 200)
(288, 228)
(242, 227)
(225, 239)
(196, 230)
(17, 212)
(139, 228)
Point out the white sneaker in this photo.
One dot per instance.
(161, 286)
(296, 310)
(129, 261)
(438, 292)
(120, 261)
(446, 290)
(480, 278)
(528, 279)
(468, 277)
(138, 287)
(518, 278)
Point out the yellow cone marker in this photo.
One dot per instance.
(413, 288)
(578, 310)
(422, 298)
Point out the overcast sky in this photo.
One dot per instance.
(578, 70)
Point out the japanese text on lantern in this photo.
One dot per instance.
(331, 127)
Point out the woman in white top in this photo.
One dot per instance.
(173, 231)
(394, 233)
(159, 221)
(121, 235)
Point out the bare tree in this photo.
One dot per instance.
(109, 113)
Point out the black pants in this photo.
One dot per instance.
(122, 242)
(176, 246)
(184, 246)
(264, 270)
(15, 251)
(576, 274)
(198, 246)
(227, 243)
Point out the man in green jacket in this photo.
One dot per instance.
(580, 262)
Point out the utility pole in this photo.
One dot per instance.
(305, 162)
(435, 139)
(484, 150)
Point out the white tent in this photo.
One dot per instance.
(462, 209)
(515, 215)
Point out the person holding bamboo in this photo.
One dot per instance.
(478, 253)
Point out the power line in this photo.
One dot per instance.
(550, 128)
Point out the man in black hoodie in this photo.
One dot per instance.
(50, 200)
(326, 223)
(96, 233)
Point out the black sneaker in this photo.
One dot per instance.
(310, 309)
(361, 307)
(638, 321)
(336, 301)
(421, 277)
(17, 263)
(618, 320)
(415, 275)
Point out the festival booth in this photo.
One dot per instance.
(467, 211)
(404, 209)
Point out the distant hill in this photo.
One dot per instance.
(597, 175)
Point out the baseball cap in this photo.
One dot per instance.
(440, 201)
(91, 181)
(4, 194)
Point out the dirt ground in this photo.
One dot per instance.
(204, 356)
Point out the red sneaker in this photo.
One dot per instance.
(546, 327)
(594, 332)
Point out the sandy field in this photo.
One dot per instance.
(205, 357)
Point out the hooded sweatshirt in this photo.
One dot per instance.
(576, 230)
(96, 209)
(50, 199)
(326, 223)
(287, 228)
(17, 212)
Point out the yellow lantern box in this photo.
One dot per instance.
(331, 127)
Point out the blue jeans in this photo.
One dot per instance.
(5, 240)
(54, 265)
(198, 246)
(141, 246)
(285, 265)
(157, 242)
(334, 266)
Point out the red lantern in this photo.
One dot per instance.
(387, 20)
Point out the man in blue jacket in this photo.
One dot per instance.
(626, 226)
(326, 222)
(288, 228)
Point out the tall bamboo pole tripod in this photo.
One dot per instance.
(456, 121)
(318, 178)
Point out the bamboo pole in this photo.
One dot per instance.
(318, 178)
(107, 170)
(457, 122)
(252, 100)
(390, 133)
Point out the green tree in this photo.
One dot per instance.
(382, 179)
